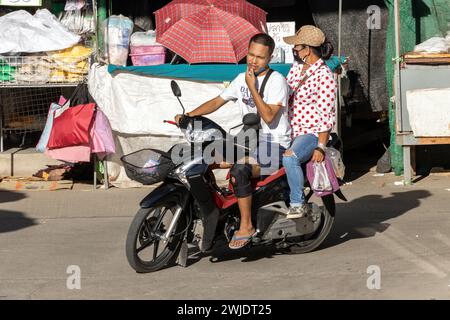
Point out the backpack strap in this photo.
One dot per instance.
(263, 85)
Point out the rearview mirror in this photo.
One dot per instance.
(251, 119)
(175, 89)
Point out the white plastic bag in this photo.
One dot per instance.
(433, 45)
(78, 21)
(117, 33)
(143, 38)
(336, 160)
(23, 32)
(74, 5)
(321, 181)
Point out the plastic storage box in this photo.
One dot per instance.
(148, 55)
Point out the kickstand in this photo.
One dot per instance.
(284, 244)
(183, 255)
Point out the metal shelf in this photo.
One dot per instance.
(45, 85)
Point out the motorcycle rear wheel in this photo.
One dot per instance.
(143, 250)
(310, 242)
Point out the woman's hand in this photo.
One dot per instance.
(318, 156)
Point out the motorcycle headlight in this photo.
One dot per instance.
(194, 136)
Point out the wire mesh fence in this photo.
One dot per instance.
(25, 109)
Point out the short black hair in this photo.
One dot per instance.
(265, 40)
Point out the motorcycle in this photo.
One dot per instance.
(188, 207)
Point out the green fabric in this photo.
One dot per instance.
(430, 18)
(6, 71)
(204, 72)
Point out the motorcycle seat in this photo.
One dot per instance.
(226, 201)
(274, 176)
(261, 183)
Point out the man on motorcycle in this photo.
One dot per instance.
(271, 105)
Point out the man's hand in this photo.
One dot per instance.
(250, 78)
(178, 118)
(318, 156)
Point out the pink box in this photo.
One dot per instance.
(148, 55)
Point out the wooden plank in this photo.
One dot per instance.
(34, 184)
(415, 55)
(426, 58)
(433, 140)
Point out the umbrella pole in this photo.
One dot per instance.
(174, 59)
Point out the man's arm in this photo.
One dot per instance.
(206, 108)
(268, 112)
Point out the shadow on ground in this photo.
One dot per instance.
(12, 220)
(11, 196)
(363, 217)
(366, 216)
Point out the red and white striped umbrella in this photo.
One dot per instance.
(209, 31)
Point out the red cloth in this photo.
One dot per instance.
(72, 127)
(204, 31)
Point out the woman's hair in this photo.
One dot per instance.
(324, 51)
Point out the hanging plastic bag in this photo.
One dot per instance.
(43, 141)
(102, 140)
(117, 34)
(74, 5)
(72, 128)
(321, 177)
(336, 161)
(321, 181)
(78, 21)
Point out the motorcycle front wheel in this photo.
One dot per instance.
(146, 249)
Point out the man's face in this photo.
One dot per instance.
(258, 56)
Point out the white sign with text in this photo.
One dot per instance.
(278, 30)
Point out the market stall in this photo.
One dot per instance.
(42, 57)
(137, 99)
(422, 95)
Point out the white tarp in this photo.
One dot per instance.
(139, 104)
(136, 107)
(23, 32)
(429, 112)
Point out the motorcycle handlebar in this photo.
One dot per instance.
(171, 122)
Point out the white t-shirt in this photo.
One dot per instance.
(275, 92)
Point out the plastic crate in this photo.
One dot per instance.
(148, 55)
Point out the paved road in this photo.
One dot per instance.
(403, 231)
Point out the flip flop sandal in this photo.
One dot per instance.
(243, 244)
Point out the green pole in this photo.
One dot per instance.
(391, 52)
(101, 16)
